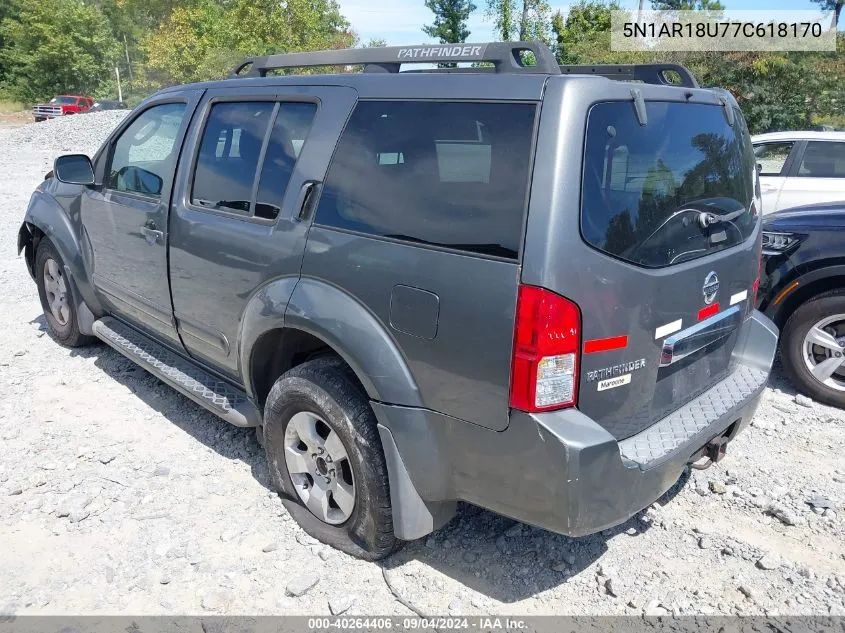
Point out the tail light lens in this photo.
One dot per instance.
(546, 347)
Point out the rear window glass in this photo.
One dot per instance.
(440, 173)
(649, 191)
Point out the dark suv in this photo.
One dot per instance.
(518, 285)
(803, 291)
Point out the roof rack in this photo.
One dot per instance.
(506, 57)
(646, 73)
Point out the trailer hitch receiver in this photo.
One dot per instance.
(711, 453)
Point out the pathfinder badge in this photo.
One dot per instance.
(615, 370)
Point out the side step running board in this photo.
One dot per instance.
(213, 393)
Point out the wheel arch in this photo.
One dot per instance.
(810, 285)
(46, 218)
(293, 320)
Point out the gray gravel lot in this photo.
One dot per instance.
(118, 495)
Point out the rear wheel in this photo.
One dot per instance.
(56, 296)
(813, 348)
(326, 460)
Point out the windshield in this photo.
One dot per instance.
(63, 100)
(677, 188)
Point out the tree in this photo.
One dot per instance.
(585, 29)
(687, 5)
(205, 39)
(832, 5)
(375, 42)
(9, 10)
(56, 46)
(450, 20)
(534, 19)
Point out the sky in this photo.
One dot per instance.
(400, 21)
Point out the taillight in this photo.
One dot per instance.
(546, 345)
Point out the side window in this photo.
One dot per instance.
(772, 157)
(144, 157)
(228, 155)
(293, 122)
(823, 159)
(447, 174)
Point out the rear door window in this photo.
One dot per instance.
(229, 154)
(646, 188)
(772, 157)
(438, 173)
(291, 128)
(823, 159)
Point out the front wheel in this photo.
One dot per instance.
(813, 348)
(54, 290)
(326, 460)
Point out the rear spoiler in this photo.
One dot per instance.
(660, 74)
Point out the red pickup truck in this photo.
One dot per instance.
(61, 105)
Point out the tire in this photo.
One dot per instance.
(62, 323)
(800, 355)
(323, 395)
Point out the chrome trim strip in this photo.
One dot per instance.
(700, 335)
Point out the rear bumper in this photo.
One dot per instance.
(561, 471)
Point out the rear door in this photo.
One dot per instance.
(660, 249)
(818, 175)
(253, 152)
(773, 165)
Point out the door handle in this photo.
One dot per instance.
(307, 197)
(150, 232)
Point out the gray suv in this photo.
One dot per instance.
(517, 285)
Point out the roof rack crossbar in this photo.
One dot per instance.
(506, 57)
(646, 73)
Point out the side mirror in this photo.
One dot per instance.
(139, 180)
(759, 168)
(74, 169)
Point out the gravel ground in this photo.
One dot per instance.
(118, 495)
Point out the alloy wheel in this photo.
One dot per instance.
(319, 468)
(55, 288)
(824, 351)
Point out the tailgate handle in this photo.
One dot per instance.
(686, 342)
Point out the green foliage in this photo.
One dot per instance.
(205, 39)
(776, 90)
(376, 43)
(687, 5)
(524, 20)
(56, 46)
(585, 29)
(450, 20)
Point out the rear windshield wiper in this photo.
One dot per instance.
(708, 218)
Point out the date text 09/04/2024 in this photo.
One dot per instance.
(415, 623)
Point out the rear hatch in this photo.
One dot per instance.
(664, 258)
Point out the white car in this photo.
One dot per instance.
(798, 168)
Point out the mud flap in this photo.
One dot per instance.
(413, 518)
